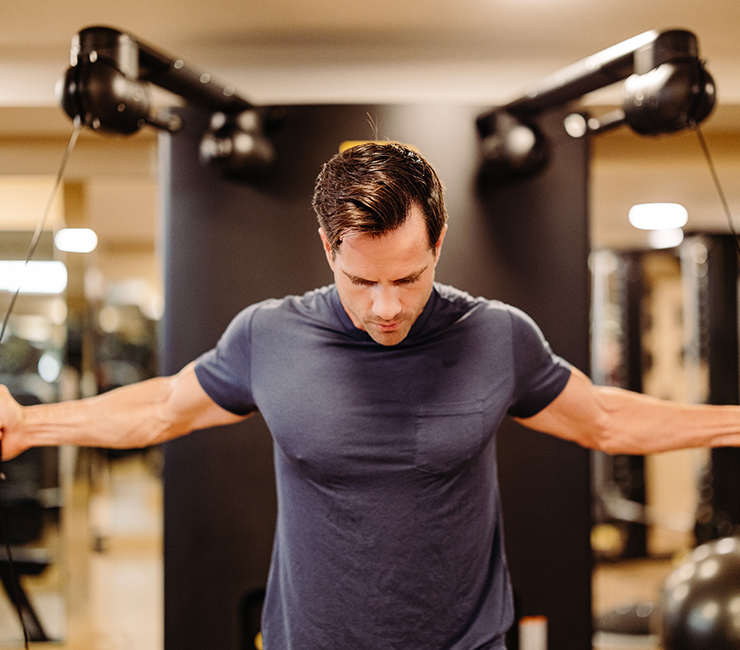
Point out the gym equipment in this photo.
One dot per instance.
(107, 88)
(229, 245)
(667, 89)
(709, 273)
(700, 604)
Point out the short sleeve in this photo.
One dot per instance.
(540, 375)
(225, 371)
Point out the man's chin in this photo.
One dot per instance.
(393, 337)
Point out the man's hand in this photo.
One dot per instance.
(11, 424)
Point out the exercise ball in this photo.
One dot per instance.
(700, 600)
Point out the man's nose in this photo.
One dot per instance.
(386, 303)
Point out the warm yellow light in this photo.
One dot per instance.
(23, 200)
(34, 277)
(665, 238)
(658, 216)
(76, 240)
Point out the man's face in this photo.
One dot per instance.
(384, 282)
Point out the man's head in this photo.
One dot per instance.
(370, 189)
(383, 221)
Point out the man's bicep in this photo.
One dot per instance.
(573, 415)
(192, 407)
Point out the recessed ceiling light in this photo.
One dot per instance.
(658, 216)
(76, 240)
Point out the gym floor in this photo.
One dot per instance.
(108, 595)
(106, 592)
(631, 581)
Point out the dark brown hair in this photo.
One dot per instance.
(371, 187)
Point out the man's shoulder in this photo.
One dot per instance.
(317, 305)
(458, 306)
(457, 299)
(316, 300)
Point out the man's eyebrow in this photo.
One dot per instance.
(411, 277)
(356, 279)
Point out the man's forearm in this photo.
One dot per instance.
(131, 416)
(623, 422)
(639, 424)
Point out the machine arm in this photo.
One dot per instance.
(666, 89)
(107, 88)
(585, 76)
(110, 66)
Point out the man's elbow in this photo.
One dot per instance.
(613, 440)
(603, 436)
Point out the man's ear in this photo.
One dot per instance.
(327, 248)
(438, 245)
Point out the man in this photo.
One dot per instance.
(383, 393)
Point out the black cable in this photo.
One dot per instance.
(42, 221)
(717, 184)
(6, 320)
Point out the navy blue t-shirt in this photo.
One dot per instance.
(389, 530)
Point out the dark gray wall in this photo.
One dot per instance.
(713, 281)
(229, 245)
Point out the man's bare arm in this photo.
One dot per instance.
(133, 416)
(623, 422)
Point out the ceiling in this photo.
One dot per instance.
(521, 39)
(301, 51)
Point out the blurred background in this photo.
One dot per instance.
(96, 516)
